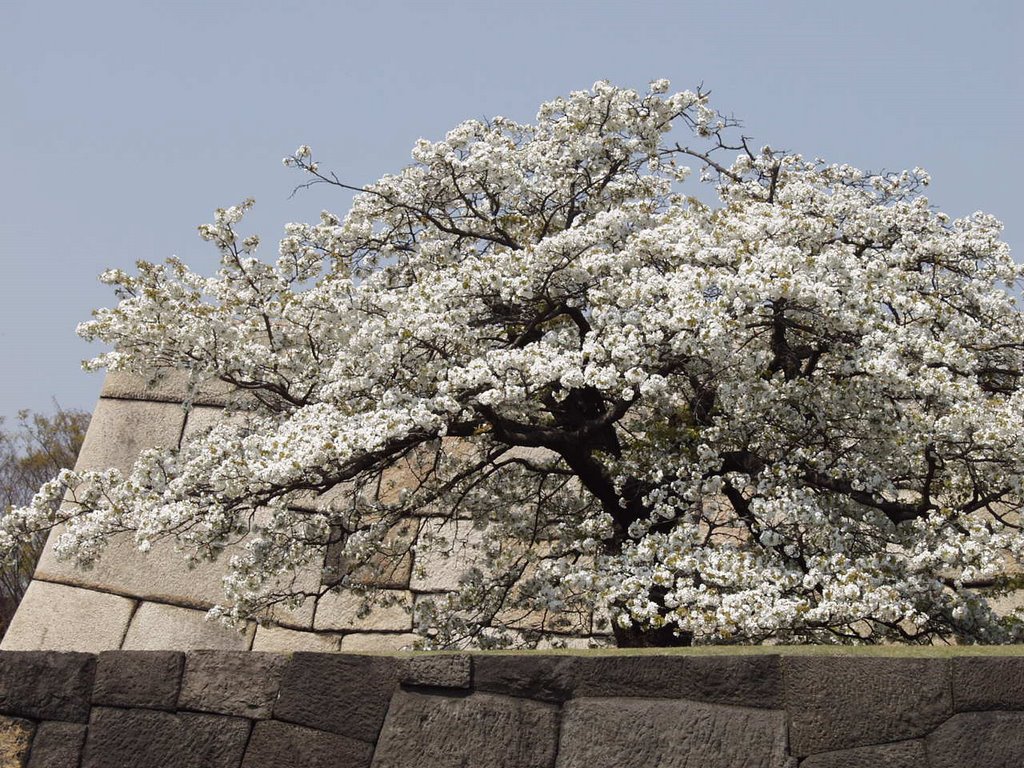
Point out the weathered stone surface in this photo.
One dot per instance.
(449, 670)
(279, 640)
(748, 680)
(120, 429)
(62, 618)
(166, 627)
(988, 683)
(901, 754)
(611, 733)
(57, 745)
(339, 693)
(139, 738)
(342, 610)
(232, 683)
(147, 679)
(978, 740)
(15, 740)
(843, 702)
(446, 549)
(480, 730)
(46, 685)
(282, 745)
(170, 388)
(378, 642)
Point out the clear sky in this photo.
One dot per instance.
(124, 124)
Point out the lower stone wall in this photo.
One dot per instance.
(225, 709)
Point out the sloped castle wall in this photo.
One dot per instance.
(136, 601)
(228, 709)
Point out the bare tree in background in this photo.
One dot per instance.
(30, 454)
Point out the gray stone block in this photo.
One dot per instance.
(480, 730)
(282, 745)
(988, 683)
(901, 754)
(348, 611)
(232, 682)
(169, 387)
(46, 685)
(15, 741)
(447, 670)
(166, 627)
(340, 693)
(140, 738)
(147, 679)
(120, 429)
(546, 678)
(61, 618)
(611, 733)
(57, 745)
(838, 703)
(978, 740)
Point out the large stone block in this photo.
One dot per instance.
(479, 730)
(348, 611)
(166, 627)
(46, 685)
(279, 640)
(378, 642)
(843, 702)
(57, 745)
(141, 738)
(120, 429)
(445, 670)
(753, 680)
(239, 683)
(343, 694)
(446, 549)
(147, 679)
(978, 740)
(901, 754)
(988, 683)
(169, 387)
(282, 745)
(610, 733)
(15, 741)
(62, 618)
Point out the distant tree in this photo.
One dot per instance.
(38, 448)
(794, 413)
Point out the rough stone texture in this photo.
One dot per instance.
(342, 610)
(901, 754)
(159, 627)
(278, 640)
(282, 745)
(46, 685)
(170, 388)
(611, 733)
(978, 740)
(437, 567)
(480, 730)
(61, 618)
(15, 740)
(57, 745)
(344, 694)
(138, 738)
(120, 429)
(439, 671)
(840, 702)
(232, 683)
(747, 680)
(378, 642)
(988, 683)
(147, 679)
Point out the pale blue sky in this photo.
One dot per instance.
(123, 124)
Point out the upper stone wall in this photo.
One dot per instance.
(135, 601)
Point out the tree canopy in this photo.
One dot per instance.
(778, 401)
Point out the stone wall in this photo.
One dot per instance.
(226, 709)
(136, 601)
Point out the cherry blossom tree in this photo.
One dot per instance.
(793, 414)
